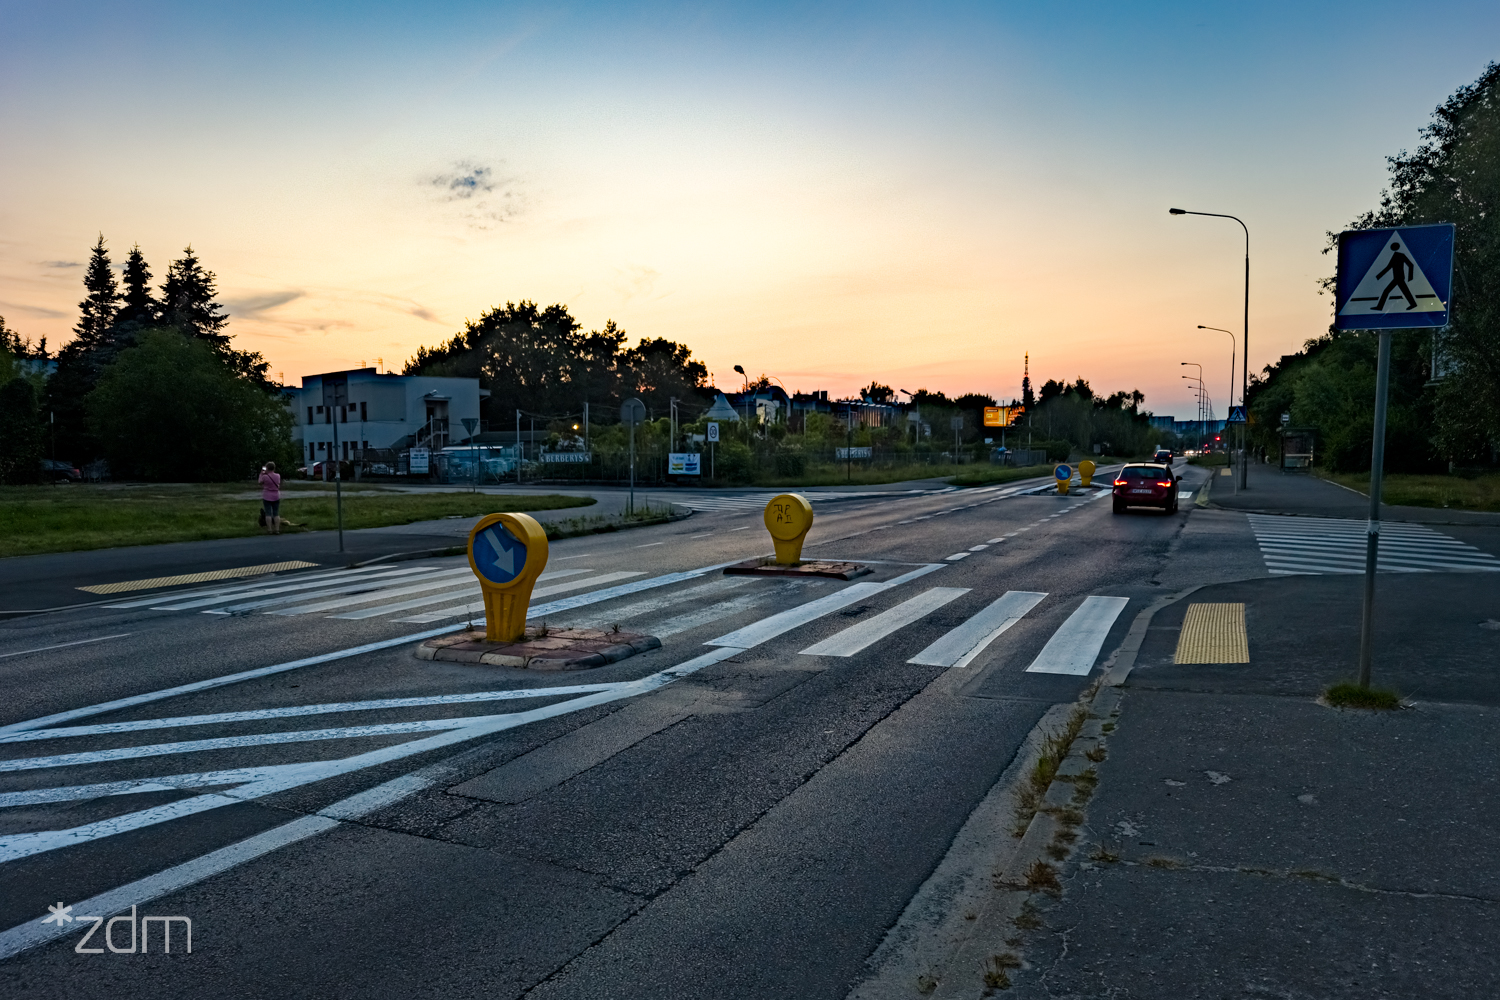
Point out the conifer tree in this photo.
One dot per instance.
(98, 309)
(187, 302)
(139, 307)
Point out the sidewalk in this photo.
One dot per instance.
(1246, 841)
(1271, 491)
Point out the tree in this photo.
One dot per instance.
(187, 301)
(974, 401)
(660, 369)
(171, 407)
(139, 307)
(877, 393)
(20, 433)
(99, 307)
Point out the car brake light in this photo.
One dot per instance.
(1119, 482)
(1168, 483)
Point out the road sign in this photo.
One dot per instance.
(788, 518)
(686, 463)
(418, 461)
(632, 412)
(1236, 415)
(713, 431)
(1063, 473)
(507, 552)
(469, 424)
(1394, 278)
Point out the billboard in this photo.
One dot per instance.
(1002, 416)
(683, 463)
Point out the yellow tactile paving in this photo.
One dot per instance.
(173, 581)
(1213, 633)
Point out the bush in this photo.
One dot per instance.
(20, 433)
(170, 408)
(732, 463)
(791, 462)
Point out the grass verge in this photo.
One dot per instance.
(1210, 460)
(37, 519)
(988, 475)
(1351, 695)
(1481, 492)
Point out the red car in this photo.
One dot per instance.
(1146, 486)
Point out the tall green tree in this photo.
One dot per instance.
(97, 311)
(172, 408)
(187, 301)
(20, 433)
(138, 307)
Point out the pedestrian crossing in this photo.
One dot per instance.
(1317, 545)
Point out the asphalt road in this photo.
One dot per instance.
(729, 815)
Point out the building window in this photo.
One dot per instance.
(322, 445)
(343, 414)
(309, 414)
(363, 413)
(312, 450)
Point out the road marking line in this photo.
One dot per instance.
(995, 541)
(297, 711)
(318, 580)
(980, 547)
(415, 602)
(745, 528)
(1074, 647)
(955, 557)
(961, 645)
(1213, 633)
(650, 545)
(856, 637)
(216, 574)
(437, 581)
(714, 612)
(358, 585)
(65, 645)
(769, 628)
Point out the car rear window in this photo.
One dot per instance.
(1141, 472)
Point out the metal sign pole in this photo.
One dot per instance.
(1372, 543)
(338, 484)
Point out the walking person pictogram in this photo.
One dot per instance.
(1401, 269)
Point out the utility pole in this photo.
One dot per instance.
(518, 447)
(336, 398)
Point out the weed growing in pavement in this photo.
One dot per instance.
(926, 984)
(1014, 942)
(1097, 754)
(996, 970)
(1108, 727)
(1029, 919)
(1160, 861)
(1058, 852)
(1067, 816)
(1350, 695)
(1028, 795)
(1042, 877)
(1103, 852)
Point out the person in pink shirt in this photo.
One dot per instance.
(270, 497)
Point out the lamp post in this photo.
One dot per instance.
(1230, 397)
(744, 389)
(1199, 380)
(1245, 367)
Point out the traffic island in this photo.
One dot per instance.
(768, 566)
(543, 648)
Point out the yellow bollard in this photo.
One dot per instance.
(1063, 475)
(1086, 472)
(788, 518)
(507, 552)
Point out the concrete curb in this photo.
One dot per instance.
(1051, 839)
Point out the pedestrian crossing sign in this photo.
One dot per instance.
(1394, 278)
(1236, 415)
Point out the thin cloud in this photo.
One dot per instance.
(422, 312)
(251, 305)
(62, 263)
(40, 311)
(480, 197)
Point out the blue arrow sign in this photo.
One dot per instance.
(498, 555)
(1062, 473)
(1394, 278)
(1236, 415)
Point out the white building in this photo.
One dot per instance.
(382, 412)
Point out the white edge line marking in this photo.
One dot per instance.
(65, 645)
(35, 932)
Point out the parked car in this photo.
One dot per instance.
(54, 471)
(1146, 486)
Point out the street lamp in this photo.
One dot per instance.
(745, 388)
(1199, 379)
(1245, 372)
(1231, 382)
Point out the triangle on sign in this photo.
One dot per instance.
(1380, 282)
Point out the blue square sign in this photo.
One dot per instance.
(1394, 278)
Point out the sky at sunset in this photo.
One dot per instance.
(915, 194)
